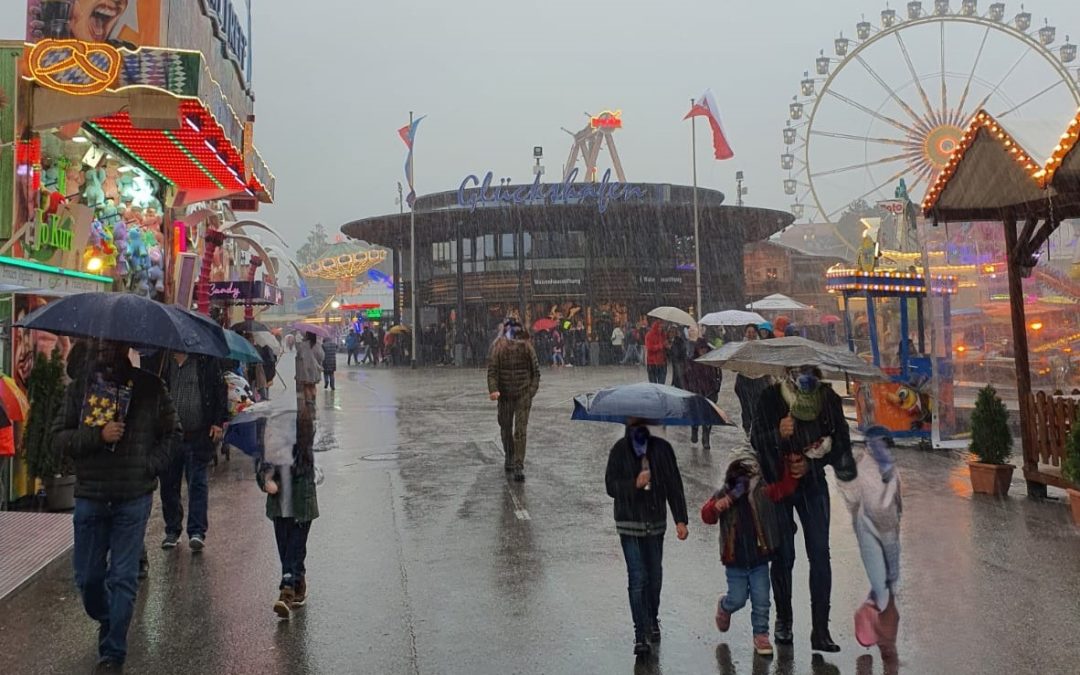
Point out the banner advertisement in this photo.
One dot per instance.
(122, 23)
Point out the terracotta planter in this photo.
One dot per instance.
(990, 479)
(1074, 502)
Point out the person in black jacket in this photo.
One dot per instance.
(118, 455)
(643, 478)
(803, 415)
(197, 386)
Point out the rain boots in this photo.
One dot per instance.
(820, 639)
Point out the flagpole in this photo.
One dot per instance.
(697, 240)
(412, 251)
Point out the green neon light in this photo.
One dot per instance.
(127, 151)
(193, 159)
(49, 269)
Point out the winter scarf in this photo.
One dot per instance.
(805, 406)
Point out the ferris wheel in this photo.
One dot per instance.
(891, 102)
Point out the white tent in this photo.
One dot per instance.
(777, 302)
(731, 317)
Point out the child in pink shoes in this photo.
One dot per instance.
(748, 538)
(874, 501)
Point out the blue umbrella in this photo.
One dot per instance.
(131, 319)
(240, 349)
(656, 403)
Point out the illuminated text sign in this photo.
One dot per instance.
(474, 192)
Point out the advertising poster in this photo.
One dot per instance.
(130, 23)
(27, 344)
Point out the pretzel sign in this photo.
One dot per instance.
(69, 65)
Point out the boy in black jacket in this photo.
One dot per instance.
(643, 478)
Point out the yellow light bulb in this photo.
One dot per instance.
(94, 264)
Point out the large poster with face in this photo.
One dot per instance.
(27, 344)
(132, 23)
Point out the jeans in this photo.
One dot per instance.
(190, 464)
(514, 425)
(645, 575)
(328, 379)
(632, 354)
(657, 374)
(108, 544)
(706, 429)
(292, 539)
(752, 584)
(814, 515)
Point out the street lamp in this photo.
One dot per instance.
(335, 305)
(740, 191)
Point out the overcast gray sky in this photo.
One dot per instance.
(334, 79)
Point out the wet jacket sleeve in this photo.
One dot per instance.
(493, 372)
(785, 487)
(218, 397)
(765, 433)
(709, 516)
(70, 436)
(534, 372)
(619, 483)
(169, 434)
(676, 496)
(840, 456)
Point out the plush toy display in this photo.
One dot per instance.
(156, 274)
(125, 186)
(120, 235)
(50, 177)
(152, 223)
(94, 195)
(109, 214)
(112, 177)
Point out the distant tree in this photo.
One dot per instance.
(316, 245)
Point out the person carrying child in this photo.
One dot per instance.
(874, 501)
(748, 539)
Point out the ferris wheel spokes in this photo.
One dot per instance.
(873, 113)
(860, 139)
(956, 118)
(915, 76)
(1029, 99)
(920, 123)
(908, 156)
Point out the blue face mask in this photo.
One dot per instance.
(807, 382)
(639, 438)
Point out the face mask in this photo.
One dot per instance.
(639, 437)
(806, 382)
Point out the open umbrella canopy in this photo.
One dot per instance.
(732, 317)
(755, 358)
(240, 349)
(266, 340)
(314, 329)
(250, 326)
(656, 403)
(777, 302)
(829, 318)
(674, 315)
(541, 325)
(399, 329)
(131, 319)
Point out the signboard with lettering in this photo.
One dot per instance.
(21, 276)
(242, 292)
(558, 283)
(607, 120)
(476, 193)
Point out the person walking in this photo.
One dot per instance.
(748, 389)
(749, 538)
(803, 415)
(367, 338)
(309, 368)
(197, 387)
(656, 346)
(618, 338)
(704, 380)
(679, 350)
(643, 478)
(118, 455)
(329, 363)
(513, 379)
(632, 353)
(352, 348)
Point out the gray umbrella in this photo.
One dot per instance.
(755, 358)
(656, 403)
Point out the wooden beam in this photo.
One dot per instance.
(1032, 246)
(1029, 227)
(1020, 346)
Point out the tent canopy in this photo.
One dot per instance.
(777, 302)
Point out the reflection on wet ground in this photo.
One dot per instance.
(427, 560)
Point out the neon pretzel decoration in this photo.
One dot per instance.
(48, 70)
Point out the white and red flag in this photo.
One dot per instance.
(706, 107)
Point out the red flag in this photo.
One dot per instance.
(706, 107)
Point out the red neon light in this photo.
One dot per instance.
(607, 120)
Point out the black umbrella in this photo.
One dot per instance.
(132, 319)
(656, 403)
(250, 326)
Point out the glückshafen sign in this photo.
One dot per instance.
(476, 193)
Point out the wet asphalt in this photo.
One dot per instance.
(427, 560)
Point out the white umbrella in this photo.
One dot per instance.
(674, 315)
(754, 358)
(777, 302)
(264, 339)
(732, 317)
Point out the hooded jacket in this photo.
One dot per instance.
(640, 512)
(700, 378)
(655, 346)
(513, 370)
(131, 467)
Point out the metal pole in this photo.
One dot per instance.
(697, 245)
(412, 252)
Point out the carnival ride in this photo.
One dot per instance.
(346, 264)
(892, 101)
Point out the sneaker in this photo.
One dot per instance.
(642, 648)
(197, 543)
(170, 541)
(762, 647)
(723, 617)
(283, 606)
(299, 593)
(108, 666)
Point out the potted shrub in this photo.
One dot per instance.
(45, 389)
(1070, 468)
(991, 444)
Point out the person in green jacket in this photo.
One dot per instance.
(513, 378)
